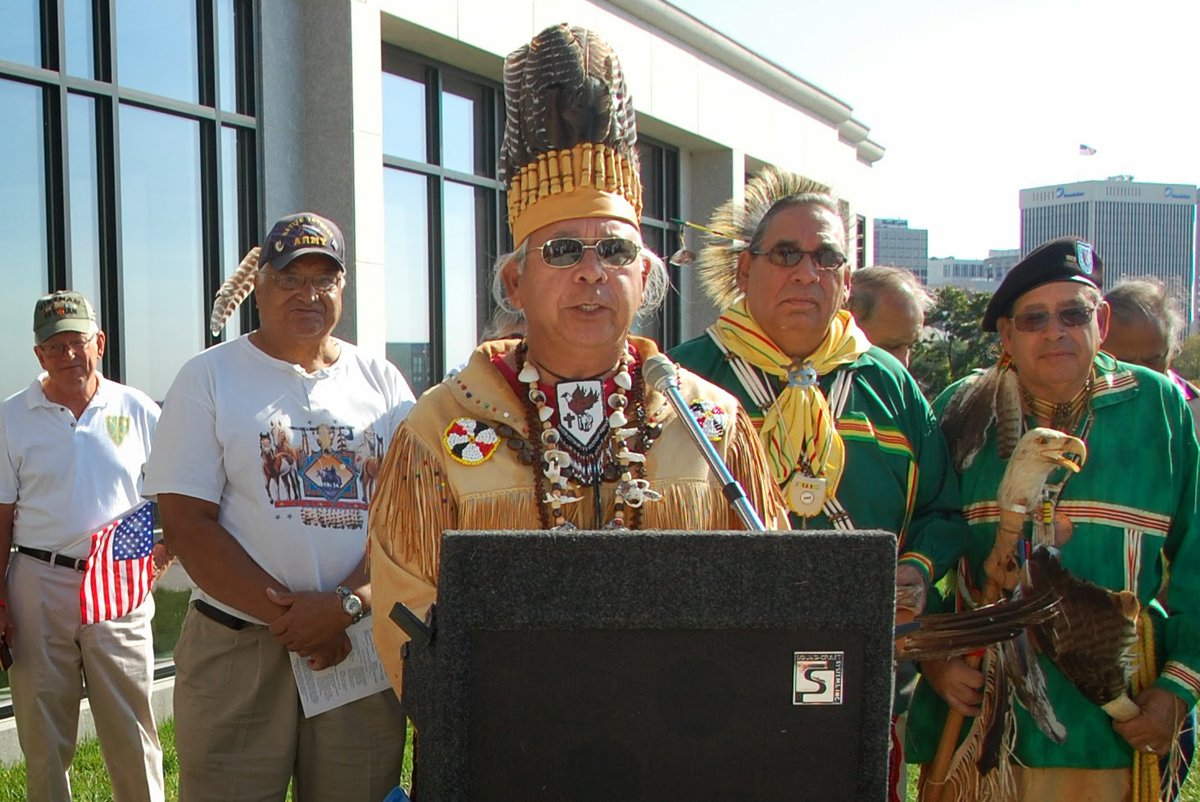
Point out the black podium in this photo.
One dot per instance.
(656, 666)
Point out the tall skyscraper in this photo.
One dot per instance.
(900, 246)
(1139, 229)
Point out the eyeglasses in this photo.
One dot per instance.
(290, 282)
(57, 350)
(612, 251)
(826, 259)
(1071, 317)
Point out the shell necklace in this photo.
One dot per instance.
(554, 467)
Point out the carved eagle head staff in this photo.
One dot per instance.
(1038, 452)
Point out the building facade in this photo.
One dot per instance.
(974, 275)
(900, 246)
(1140, 229)
(150, 142)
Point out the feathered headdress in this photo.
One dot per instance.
(570, 139)
(734, 225)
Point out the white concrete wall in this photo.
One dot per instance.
(321, 137)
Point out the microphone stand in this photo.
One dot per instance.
(660, 373)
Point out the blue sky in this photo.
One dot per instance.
(975, 100)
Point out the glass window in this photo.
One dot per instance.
(466, 261)
(226, 55)
(23, 259)
(84, 192)
(442, 234)
(404, 116)
(161, 247)
(659, 171)
(465, 132)
(406, 249)
(21, 32)
(231, 255)
(157, 47)
(80, 57)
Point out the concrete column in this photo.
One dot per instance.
(306, 120)
(708, 179)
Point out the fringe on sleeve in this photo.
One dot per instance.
(410, 510)
(748, 464)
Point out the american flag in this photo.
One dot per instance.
(119, 568)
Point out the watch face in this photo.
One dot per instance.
(352, 605)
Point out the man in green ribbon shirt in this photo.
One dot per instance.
(850, 439)
(1128, 515)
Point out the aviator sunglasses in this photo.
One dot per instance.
(612, 251)
(788, 256)
(1071, 317)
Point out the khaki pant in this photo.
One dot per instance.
(241, 734)
(53, 657)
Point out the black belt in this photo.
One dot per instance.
(220, 616)
(78, 563)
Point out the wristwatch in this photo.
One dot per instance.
(351, 603)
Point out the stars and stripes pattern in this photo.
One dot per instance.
(120, 568)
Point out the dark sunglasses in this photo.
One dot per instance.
(1071, 317)
(612, 252)
(787, 256)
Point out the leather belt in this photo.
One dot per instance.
(61, 560)
(220, 616)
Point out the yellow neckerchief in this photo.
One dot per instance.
(798, 429)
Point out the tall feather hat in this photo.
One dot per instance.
(570, 139)
(735, 224)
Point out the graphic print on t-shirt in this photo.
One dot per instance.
(324, 470)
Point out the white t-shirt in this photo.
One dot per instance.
(69, 477)
(290, 457)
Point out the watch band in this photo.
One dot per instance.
(350, 601)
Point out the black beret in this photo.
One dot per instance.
(1062, 259)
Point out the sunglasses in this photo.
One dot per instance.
(1071, 317)
(612, 251)
(788, 256)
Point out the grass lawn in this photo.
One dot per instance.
(89, 778)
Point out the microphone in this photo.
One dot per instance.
(660, 373)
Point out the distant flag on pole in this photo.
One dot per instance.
(1087, 150)
(120, 567)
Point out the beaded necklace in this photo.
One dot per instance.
(620, 457)
(1062, 416)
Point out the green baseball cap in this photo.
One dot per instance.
(64, 310)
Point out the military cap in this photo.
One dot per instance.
(1062, 259)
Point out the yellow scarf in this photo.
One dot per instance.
(798, 428)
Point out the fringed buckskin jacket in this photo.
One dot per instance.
(428, 486)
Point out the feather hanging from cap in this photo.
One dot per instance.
(235, 290)
(735, 224)
(563, 88)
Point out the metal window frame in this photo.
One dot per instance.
(489, 232)
(670, 315)
(109, 96)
